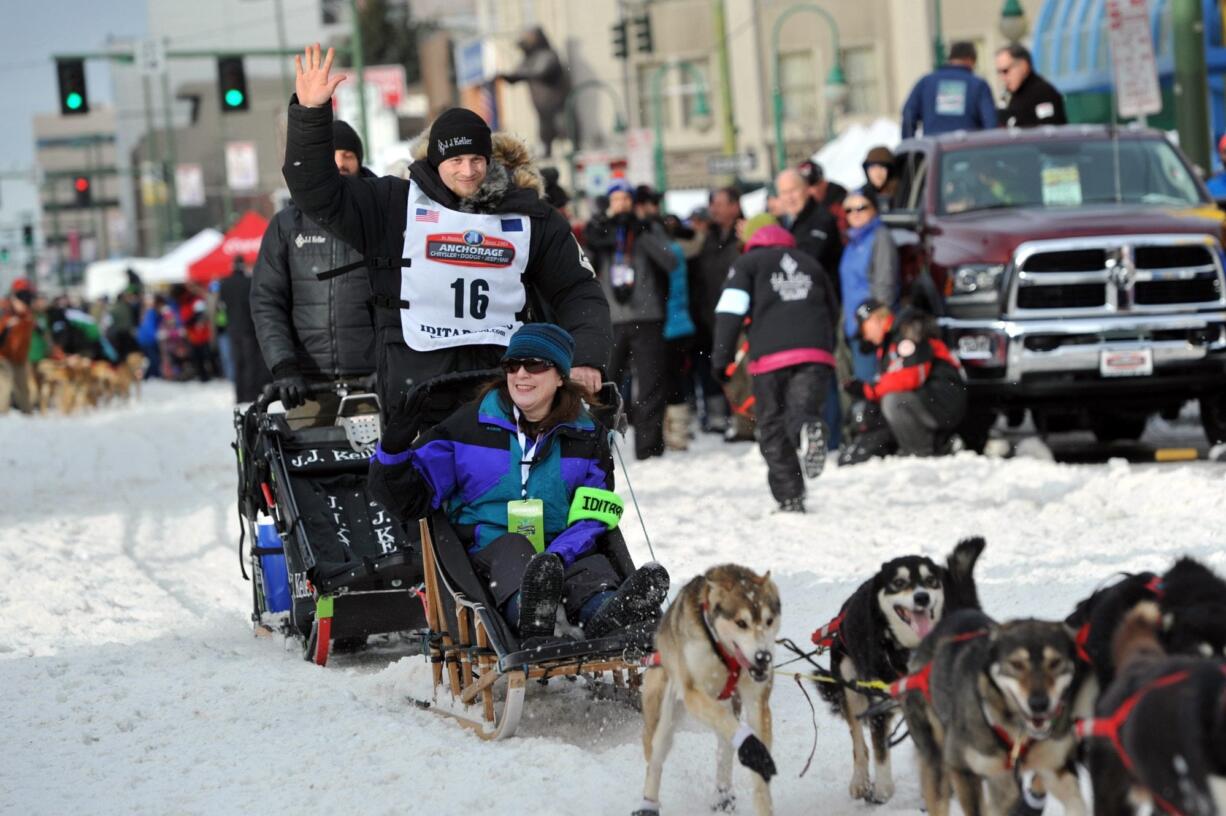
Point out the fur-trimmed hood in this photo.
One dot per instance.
(511, 166)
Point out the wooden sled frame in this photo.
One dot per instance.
(477, 674)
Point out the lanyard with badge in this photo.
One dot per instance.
(621, 275)
(526, 516)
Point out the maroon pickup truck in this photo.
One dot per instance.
(1077, 271)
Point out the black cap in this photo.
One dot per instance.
(811, 172)
(458, 132)
(865, 310)
(344, 137)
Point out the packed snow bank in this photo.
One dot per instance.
(135, 685)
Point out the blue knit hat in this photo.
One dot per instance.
(544, 341)
(619, 185)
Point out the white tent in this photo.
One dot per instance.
(172, 267)
(108, 278)
(842, 158)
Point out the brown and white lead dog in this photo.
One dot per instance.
(714, 655)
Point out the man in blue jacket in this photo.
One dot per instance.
(950, 98)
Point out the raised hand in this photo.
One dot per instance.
(312, 82)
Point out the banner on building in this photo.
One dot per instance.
(242, 168)
(189, 185)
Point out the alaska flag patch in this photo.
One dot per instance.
(512, 225)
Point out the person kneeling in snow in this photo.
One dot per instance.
(920, 386)
(793, 314)
(524, 456)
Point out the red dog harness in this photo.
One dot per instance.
(824, 636)
(731, 663)
(1153, 587)
(1109, 728)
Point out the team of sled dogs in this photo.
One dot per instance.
(73, 383)
(1131, 685)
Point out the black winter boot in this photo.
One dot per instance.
(637, 599)
(539, 594)
(796, 505)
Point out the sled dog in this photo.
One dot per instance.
(987, 701)
(715, 651)
(1159, 732)
(874, 634)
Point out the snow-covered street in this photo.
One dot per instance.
(134, 683)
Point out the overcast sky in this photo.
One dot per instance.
(33, 30)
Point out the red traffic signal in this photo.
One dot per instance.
(80, 186)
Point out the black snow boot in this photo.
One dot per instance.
(539, 594)
(637, 599)
(796, 505)
(812, 449)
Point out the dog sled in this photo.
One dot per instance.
(328, 564)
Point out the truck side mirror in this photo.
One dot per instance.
(902, 219)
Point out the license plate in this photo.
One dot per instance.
(1127, 363)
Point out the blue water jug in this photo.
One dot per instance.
(272, 567)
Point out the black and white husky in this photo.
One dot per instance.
(872, 639)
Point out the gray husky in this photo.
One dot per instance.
(986, 701)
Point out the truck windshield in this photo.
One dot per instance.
(1060, 173)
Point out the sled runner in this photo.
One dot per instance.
(480, 666)
(329, 565)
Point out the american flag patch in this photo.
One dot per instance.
(428, 216)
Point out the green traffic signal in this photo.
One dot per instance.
(73, 101)
(234, 98)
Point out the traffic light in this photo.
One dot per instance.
(4, 255)
(27, 234)
(81, 191)
(621, 49)
(643, 43)
(231, 84)
(73, 99)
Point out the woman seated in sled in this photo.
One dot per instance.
(525, 475)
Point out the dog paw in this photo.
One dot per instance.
(882, 792)
(861, 786)
(725, 801)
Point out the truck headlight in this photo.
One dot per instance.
(976, 279)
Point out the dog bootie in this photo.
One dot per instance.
(539, 594)
(812, 449)
(637, 599)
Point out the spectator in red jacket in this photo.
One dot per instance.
(920, 385)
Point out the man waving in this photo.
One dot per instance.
(460, 254)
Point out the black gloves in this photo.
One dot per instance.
(292, 387)
(404, 422)
(855, 389)
(755, 756)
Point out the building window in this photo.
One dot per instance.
(680, 88)
(798, 82)
(860, 70)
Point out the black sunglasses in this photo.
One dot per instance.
(861, 208)
(533, 365)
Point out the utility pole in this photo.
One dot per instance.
(726, 121)
(1191, 83)
(150, 144)
(359, 68)
(172, 195)
(286, 88)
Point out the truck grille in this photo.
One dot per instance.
(1116, 274)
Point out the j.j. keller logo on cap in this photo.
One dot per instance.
(455, 141)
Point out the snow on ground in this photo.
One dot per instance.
(134, 684)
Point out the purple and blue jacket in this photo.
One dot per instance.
(469, 465)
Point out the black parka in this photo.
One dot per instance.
(323, 329)
(370, 214)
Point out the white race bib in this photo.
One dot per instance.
(464, 287)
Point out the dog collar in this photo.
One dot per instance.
(730, 662)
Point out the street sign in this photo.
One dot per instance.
(732, 165)
(388, 82)
(242, 169)
(150, 57)
(1132, 58)
(639, 167)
